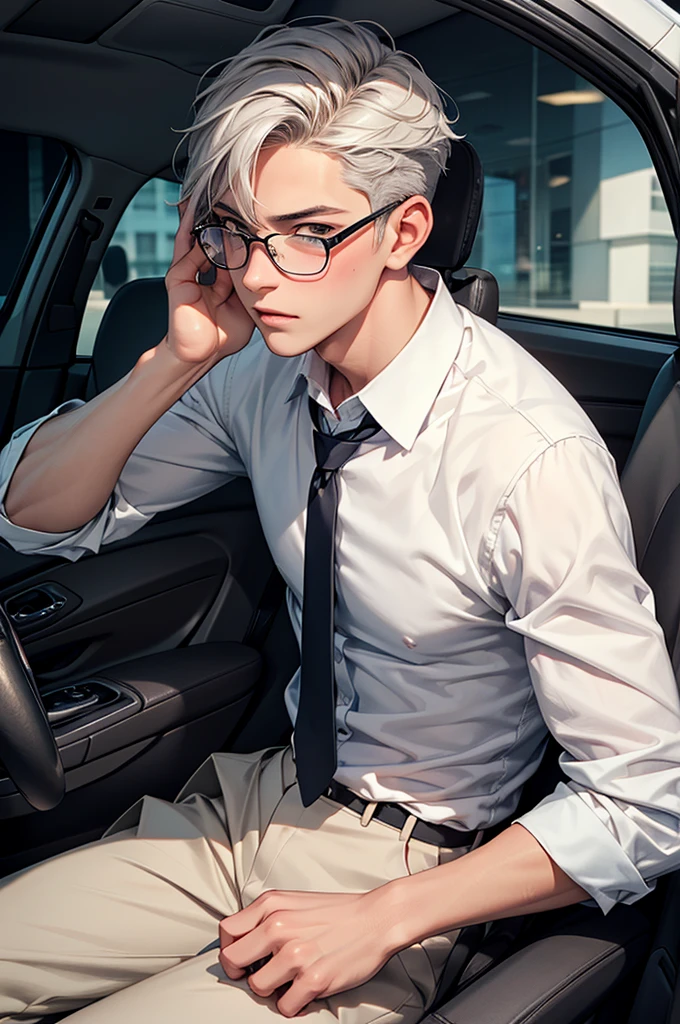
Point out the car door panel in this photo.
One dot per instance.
(137, 600)
(150, 592)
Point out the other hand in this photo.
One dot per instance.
(320, 943)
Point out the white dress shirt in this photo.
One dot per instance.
(486, 584)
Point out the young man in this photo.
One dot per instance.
(484, 568)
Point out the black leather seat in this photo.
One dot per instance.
(457, 207)
(135, 320)
(650, 483)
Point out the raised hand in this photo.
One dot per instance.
(206, 322)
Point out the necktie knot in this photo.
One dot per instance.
(333, 450)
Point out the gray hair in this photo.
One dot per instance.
(333, 87)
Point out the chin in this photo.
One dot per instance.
(283, 344)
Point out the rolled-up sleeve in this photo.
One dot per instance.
(564, 558)
(186, 453)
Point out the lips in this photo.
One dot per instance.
(273, 312)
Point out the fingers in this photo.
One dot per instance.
(202, 271)
(187, 256)
(222, 284)
(269, 980)
(257, 964)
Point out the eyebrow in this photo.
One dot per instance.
(311, 211)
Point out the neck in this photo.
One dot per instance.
(363, 347)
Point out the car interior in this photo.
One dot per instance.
(175, 642)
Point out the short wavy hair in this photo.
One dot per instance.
(333, 87)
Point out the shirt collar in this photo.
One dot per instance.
(313, 378)
(403, 393)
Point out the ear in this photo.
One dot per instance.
(408, 227)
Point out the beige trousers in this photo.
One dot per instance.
(125, 929)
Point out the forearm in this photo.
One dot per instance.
(509, 876)
(72, 462)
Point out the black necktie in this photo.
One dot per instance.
(316, 757)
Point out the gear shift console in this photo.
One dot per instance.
(68, 702)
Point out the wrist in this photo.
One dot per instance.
(170, 374)
(420, 905)
(392, 907)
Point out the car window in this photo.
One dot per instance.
(141, 246)
(574, 224)
(31, 166)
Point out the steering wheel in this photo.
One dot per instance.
(28, 749)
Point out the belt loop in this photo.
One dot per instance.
(409, 825)
(368, 812)
(477, 841)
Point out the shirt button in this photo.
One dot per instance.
(338, 656)
(409, 641)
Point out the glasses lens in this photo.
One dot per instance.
(298, 254)
(226, 249)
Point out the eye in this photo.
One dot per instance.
(323, 229)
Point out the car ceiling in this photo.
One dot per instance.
(116, 78)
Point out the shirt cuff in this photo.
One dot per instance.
(584, 848)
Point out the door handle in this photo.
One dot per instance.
(33, 605)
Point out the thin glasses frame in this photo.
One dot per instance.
(328, 242)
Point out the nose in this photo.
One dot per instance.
(259, 271)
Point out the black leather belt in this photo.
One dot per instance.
(394, 814)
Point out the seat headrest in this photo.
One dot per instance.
(135, 320)
(475, 289)
(457, 207)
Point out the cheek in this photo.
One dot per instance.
(352, 281)
(244, 295)
(335, 302)
(353, 262)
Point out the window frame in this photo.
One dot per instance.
(85, 357)
(635, 79)
(64, 184)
